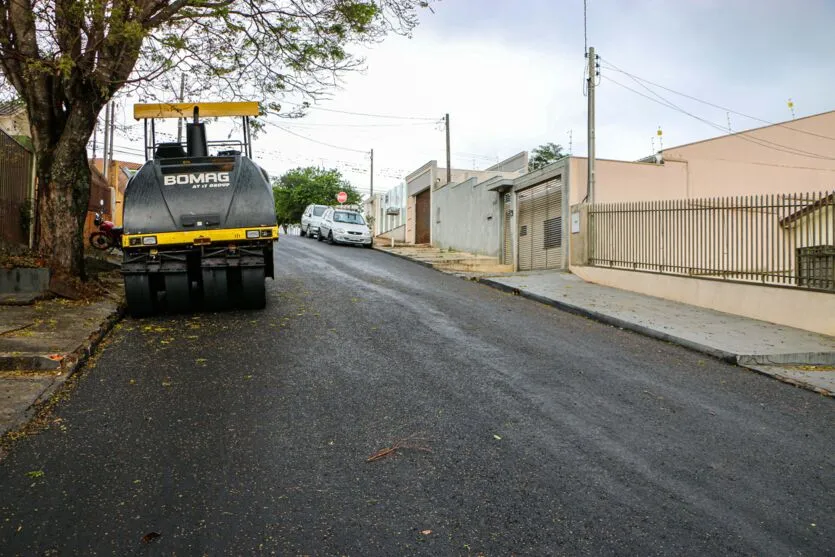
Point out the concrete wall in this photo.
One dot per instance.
(467, 217)
(798, 308)
(410, 220)
(397, 234)
(516, 163)
(628, 181)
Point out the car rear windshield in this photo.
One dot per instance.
(349, 218)
(317, 211)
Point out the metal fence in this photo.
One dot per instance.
(15, 190)
(783, 239)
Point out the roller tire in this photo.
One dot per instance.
(177, 292)
(140, 297)
(215, 288)
(253, 289)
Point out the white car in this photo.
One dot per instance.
(311, 218)
(341, 226)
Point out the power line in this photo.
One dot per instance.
(316, 124)
(390, 116)
(758, 141)
(637, 78)
(316, 140)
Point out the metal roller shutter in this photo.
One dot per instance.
(524, 222)
(541, 227)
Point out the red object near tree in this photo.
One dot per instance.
(342, 197)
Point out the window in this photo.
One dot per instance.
(348, 218)
(524, 230)
(553, 233)
(317, 211)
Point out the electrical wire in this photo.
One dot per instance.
(315, 140)
(390, 116)
(317, 124)
(720, 107)
(758, 141)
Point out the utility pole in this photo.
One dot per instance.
(106, 138)
(592, 75)
(180, 120)
(112, 134)
(372, 175)
(448, 157)
(96, 129)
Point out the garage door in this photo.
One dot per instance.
(541, 227)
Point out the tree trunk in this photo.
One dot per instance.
(64, 192)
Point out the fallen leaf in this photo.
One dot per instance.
(150, 536)
(35, 474)
(426, 532)
(496, 437)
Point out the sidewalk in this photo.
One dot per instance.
(43, 343)
(795, 356)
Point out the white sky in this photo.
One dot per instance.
(510, 74)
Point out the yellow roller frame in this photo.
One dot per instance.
(186, 110)
(200, 237)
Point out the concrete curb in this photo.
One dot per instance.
(620, 323)
(69, 366)
(407, 258)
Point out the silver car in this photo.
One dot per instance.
(311, 218)
(342, 226)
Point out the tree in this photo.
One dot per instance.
(66, 59)
(300, 187)
(544, 155)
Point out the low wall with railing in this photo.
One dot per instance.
(786, 239)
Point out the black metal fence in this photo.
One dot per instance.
(783, 239)
(15, 191)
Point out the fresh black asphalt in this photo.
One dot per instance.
(247, 433)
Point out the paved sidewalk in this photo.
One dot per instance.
(793, 355)
(42, 344)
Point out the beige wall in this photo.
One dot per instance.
(790, 157)
(16, 124)
(410, 220)
(760, 161)
(627, 181)
(798, 308)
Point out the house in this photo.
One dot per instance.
(422, 184)
(389, 212)
(119, 173)
(13, 119)
(17, 192)
(741, 223)
(101, 200)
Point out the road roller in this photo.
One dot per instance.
(199, 218)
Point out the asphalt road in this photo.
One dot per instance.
(247, 433)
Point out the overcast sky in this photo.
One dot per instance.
(510, 74)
